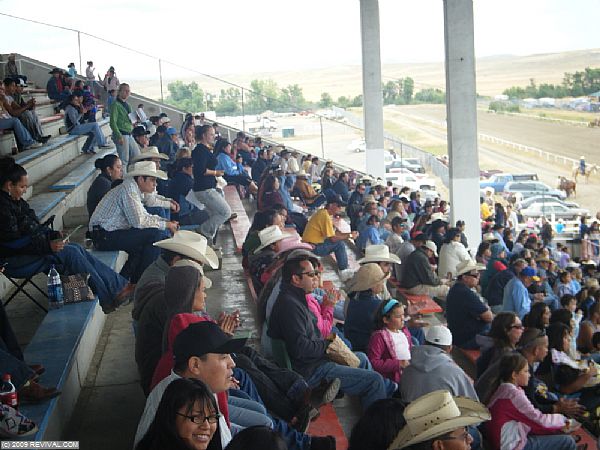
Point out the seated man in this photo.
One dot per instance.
(311, 198)
(74, 114)
(292, 321)
(467, 315)
(319, 231)
(58, 89)
(516, 296)
(120, 221)
(179, 187)
(22, 136)
(418, 276)
(155, 201)
(140, 135)
(23, 110)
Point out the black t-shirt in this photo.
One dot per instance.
(463, 308)
(203, 159)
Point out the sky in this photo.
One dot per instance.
(241, 36)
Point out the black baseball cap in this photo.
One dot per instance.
(201, 338)
(139, 131)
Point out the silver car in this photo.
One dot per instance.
(549, 208)
(526, 189)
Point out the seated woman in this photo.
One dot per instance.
(265, 253)
(233, 174)
(29, 247)
(111, 170)
(391, 342)
(588, 328)
(504, 334)
(538, 316)
(364, 290)
(262, 219)
(187, 418)
(311, 198)
(369, 235)
(514, 418)
(269, 195)
(180, 185)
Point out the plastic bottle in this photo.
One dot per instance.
(8, 392)
(55, 291)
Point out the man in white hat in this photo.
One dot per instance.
(418, 275)
(439, 421)
(120, 221)
(265, 253)
(467, 315)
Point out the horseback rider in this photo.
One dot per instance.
(582, 165)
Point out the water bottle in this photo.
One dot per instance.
(55, 291)
(8, 392)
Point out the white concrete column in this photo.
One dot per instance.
(372, 92)
(461, 111)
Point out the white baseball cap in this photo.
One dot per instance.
(439, 335)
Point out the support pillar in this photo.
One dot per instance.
(372, 91)
(461, 112)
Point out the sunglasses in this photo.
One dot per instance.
(311, 274)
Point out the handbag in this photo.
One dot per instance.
(339, 353)
(76, 288)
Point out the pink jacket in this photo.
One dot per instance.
(514, 417)
(383, 356)
(324, 315)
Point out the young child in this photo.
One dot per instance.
(515, 422)
(564, 286)
(390, 343)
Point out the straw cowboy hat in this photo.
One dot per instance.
(367, 276)
(436, 414)
(378, 253)
(293, 242)
(467, 266)
(369, 198)
(437, 216)
(198, 267)
(270, 235)
(302, 174)
(592, 283)
(192, 245)
(149, 153)
(146, 169)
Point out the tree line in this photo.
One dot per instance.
(267, 95)
(574, 84)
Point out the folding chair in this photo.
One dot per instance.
(21, 288)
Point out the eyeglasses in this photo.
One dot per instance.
(312, 273)
(518, 327)
(201, 418)
(464, 436)
(474, 275)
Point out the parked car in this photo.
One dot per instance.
(416, 163)
(543, 199)
(358, 145)
(559, 211)
(498, 181)
(402, 179)
(525, 189)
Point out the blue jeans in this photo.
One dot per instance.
(217, 209)
(339, 248)
(554, 442)
(104, 281)
(95, 135)
(138, 245)
(19, 371)
(127, 150)
(367, 384)
(247, 413)
(24, 139)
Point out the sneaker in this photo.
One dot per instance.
(32, 146)
(13, 424)
(44, 139)
(331, 391)
(346, 274)
(33, 392)
(105, 146)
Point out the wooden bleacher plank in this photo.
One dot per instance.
(79, 175)
(585, 437)
(328, 424)
(241, 224)
(421, 304)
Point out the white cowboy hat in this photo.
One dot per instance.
(466, 266)
(192, 245)
(149, 153)
(198, 267)
(366, 277)
(302, 173)
(378, 253)
(437, 216)
(146, 169)
(572, 265)
(270, 235)
(436, 414)
(431, 246)
(369, 198)
(488, 237)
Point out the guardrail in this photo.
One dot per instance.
(578, 123)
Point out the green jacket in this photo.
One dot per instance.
(119, 119)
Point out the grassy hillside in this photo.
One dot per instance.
(494, 74)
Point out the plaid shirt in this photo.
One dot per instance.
(122, 208)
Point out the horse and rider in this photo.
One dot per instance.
(583, 169)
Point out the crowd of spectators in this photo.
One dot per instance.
(523, 302)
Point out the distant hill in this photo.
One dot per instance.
(494, 74)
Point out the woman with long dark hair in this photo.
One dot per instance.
(111, 170)
(233, 174)
(505, 332)
(187, 418)
(270, 195)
